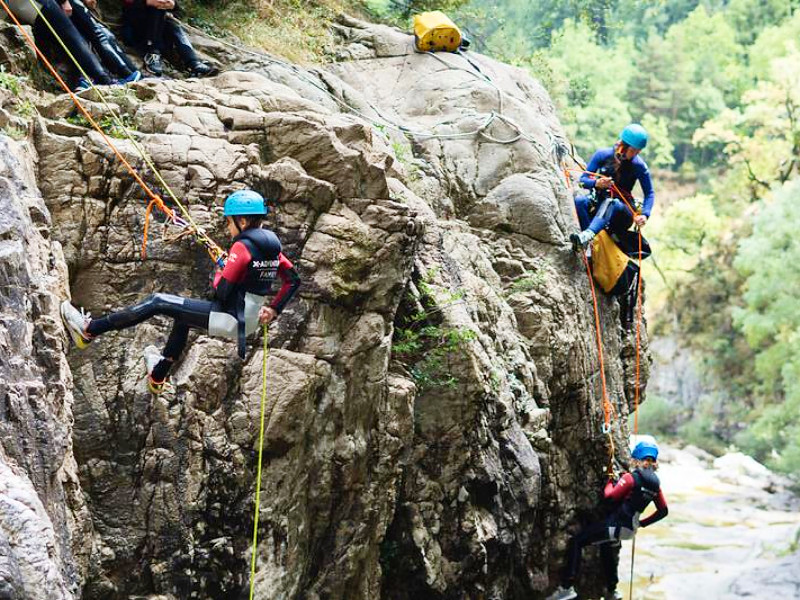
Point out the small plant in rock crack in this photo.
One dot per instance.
(9, 82)
(424, 344)
(14, 132)
(108, 124)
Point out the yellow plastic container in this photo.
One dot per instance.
(435, 32)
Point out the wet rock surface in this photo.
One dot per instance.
(435, 403)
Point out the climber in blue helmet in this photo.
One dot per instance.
(241, 287)
(610, 177)
(628, 496)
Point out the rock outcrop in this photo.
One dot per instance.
(435, 405)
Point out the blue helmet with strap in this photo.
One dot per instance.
(245, 203)
(645, 449)
(635, 136)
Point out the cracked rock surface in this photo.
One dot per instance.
(433, 394)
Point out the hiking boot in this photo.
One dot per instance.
(562, 593)
(82, 85)
(581, 240)
(203, 69)
(132, 78)
(153, 64)
(76, 321)
(613, 595)
(151, 359)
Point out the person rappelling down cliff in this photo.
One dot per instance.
(630, 495)
(254, 262)
(611, 172)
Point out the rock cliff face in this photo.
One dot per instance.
(435, 426)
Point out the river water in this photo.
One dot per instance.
(732, 532)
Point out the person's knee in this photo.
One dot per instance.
(582, 202)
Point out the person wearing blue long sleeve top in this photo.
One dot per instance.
(612, 171)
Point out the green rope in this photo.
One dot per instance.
(260, 453)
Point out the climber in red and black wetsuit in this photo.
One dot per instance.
(630, 495)
(254, 262)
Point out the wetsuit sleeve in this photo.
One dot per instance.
(661, 511)
(234, 273)
(620, 490)
(291, 282)
(594, 165)
(647, 188)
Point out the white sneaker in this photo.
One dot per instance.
(151, 358)
(76, 321)
(613, 595)
(562, 593)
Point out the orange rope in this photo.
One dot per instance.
(638, 339)
(155, 199)
(607, 406)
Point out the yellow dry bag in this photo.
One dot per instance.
(435, 32)
(609, 263)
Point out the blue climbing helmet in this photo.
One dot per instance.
(635, 136)
(244, 203)
(645, 449)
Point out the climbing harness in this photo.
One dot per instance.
(260, 453)
(185, 222)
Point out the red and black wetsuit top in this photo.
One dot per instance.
(634, 492)
(254, 262)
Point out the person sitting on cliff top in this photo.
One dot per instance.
(38, 14)
(151, 25)
(254, 262)
(610, 173)
(630, 495)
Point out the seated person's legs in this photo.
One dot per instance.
(143, 27)
(72, 39)
(175, 37)
(102, 40)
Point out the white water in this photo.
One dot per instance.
(731, 533)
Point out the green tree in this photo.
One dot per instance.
(762, 138)
(769, 260)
